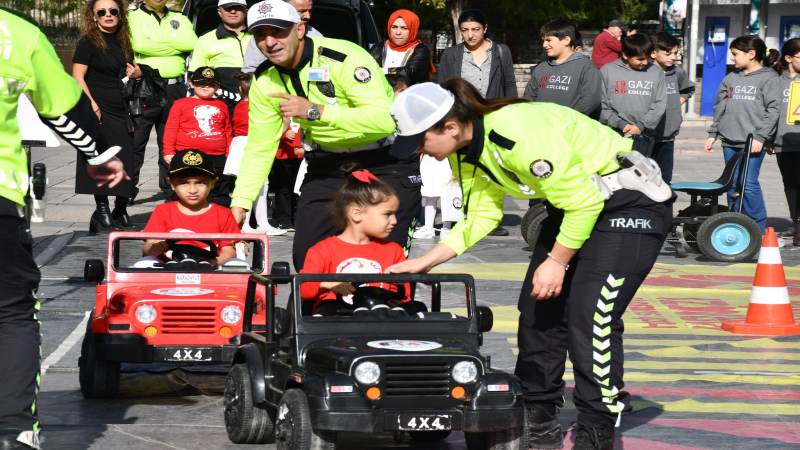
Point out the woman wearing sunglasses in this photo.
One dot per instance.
(103, 57)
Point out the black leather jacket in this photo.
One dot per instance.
(418, 66)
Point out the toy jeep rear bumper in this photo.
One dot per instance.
(382, 420)
(134, 349)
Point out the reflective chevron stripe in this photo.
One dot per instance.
(601, 343)
(74, 135)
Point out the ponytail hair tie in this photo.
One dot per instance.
(364, 176)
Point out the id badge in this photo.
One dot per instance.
(319, 75)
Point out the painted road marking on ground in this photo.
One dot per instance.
(73, 338)
(785, 432)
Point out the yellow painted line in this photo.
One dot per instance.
(688, 405)
(759, 343)
(703, 366)
(516, 271)
(690, 352)
(650, 377)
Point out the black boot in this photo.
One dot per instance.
(593, 437)
(796, 236)
(101, 217)
(119, 215)
(544, 429)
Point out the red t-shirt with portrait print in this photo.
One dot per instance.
(198, 124)
(167, 218)
(334, 255)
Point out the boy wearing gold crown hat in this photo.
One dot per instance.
(201, 122)
(192, 177)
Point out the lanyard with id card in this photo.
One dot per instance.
(319, 75)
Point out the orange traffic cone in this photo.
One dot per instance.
(769, 311)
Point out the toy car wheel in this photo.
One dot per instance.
(245, 422)
(510, 439)
(293, 428)
(531, 224)
(428, 436)
(98, 378)
(729, 237)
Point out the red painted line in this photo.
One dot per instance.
(780, 431)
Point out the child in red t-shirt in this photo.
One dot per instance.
(201, 122)
(364, 208)
(192, 177)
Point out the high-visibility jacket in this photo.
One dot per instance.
(161, 42)
(357, 100)
(534, 150)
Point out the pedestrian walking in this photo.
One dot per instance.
(58, 98)
(338, 95)
(103, 58)
(598, 243)
(607, 45)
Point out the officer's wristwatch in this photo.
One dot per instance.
(313, 112)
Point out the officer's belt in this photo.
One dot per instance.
(643, 175)
(176, 80)
(9, 208)
(326, 163)
(373, 146)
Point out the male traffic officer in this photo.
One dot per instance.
(253, 56)
(336, 92)
(223, 49)
(161, 40)
(29, 66)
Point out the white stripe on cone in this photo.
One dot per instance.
(769, 255)
(769, 295)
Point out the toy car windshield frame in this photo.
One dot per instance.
(260, 250)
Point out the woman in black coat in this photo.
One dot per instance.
(486, 64)
(103, 57)
(403, 55)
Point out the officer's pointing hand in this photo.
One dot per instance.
(293, 105)
(110, 173)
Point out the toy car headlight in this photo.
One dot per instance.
(146, 313)
(367, 372)
(465, 372)
(231, 314)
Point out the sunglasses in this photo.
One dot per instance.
(233, 8)
(102, 12)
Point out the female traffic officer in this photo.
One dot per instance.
(608, 216)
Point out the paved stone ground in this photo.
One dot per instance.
(693, 385)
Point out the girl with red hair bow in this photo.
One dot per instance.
(404, 55)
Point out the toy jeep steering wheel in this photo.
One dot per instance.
(181, 252)
(371, 296)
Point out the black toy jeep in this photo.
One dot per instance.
(379, 367)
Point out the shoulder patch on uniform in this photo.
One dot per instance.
(263, 67)
(502, 141)
(332, 54)
(362, 74)
(541, 168)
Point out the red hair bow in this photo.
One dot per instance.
(364, 176)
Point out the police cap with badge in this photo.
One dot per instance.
(191, 162)
(205, 75)
(272, 13)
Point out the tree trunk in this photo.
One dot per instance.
(456, 8)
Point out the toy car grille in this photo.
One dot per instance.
(417, 378)
(188, 319)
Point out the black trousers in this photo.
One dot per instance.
(586, 319)
(20, 342)
(789, 164)
(221, 193)
(154, 116)
(325, 176)
(281, 182)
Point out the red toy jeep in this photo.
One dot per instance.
(182, 310)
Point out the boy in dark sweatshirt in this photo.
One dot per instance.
(567, 78)
(634, 95)
(679, 89)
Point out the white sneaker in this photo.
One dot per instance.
(273, 231)
(424, 233)
(443, 233)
